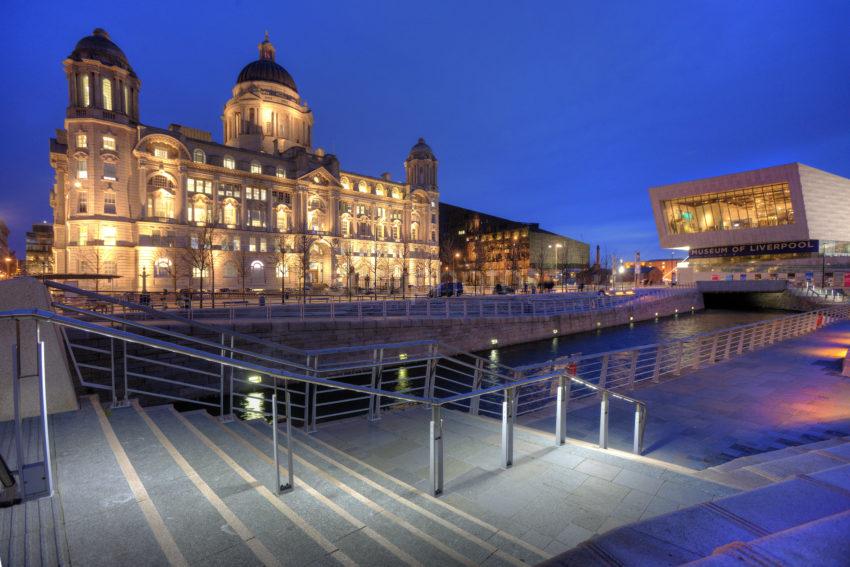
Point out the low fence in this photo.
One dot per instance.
(438, 308)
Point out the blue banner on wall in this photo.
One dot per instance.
(763, 249)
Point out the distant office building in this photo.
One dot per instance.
(485, 249)
(39, 259)
(263, 208)
(784, 222)
(4, 240)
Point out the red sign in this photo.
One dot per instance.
(846, 279)
(715, 277)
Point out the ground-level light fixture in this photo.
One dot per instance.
(494, 341)
(554, 331)
(255, 378)
(402, 356)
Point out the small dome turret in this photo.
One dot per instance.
(421, 151)
(99, 47)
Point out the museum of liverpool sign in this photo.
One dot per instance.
(765, 248)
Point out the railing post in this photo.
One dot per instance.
(680, 358)
(640, 426)
(603, 420)
(564, 383)
(16, 398)
(436, 451)
(288, 486)
(112, 371)
(743, 333)
(221, 381)
(633, 369)
(508, 417)
(377, 372)
(656, 368)
(475, 402)
(603, 371)
(713, 355)
(45, 437)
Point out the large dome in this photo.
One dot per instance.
(99, 47)
(265, 68)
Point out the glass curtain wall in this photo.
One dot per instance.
(750, 207)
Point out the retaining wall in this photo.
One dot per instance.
(470, 334)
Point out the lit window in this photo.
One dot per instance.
(396, 193)
(82, 141)
(229, 213)
(109, 203)
(107, 94)
(280, 172)
(198, 156)
(197, 272)
(86, 91)
(345, 182)
(161, 153)
(229, 162)
(83, 239)
(193, 242)
(263, 245)
(82, 203)
(362, 187)
(82, 169)
(109, 143)
(107, 234)
(256, 167)
(199, 186)
(237, 243)
(126, 100)
(282, 270)
(109, 171)
(379, 190)
(256, 266)
(252, 244)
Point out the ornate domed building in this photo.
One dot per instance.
(170, 208)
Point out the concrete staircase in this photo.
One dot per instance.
(796, 511)
(152, 486)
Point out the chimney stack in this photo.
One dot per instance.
(597, 256)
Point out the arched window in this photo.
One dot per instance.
(256, 167)
(160, 199)
(362, 187)
(284, 219)
(107, 94)
(396, 230)
(199, 210)
(379, 190)
(414, 231)
(162, 268)
(345, 182)
(280, 172)
(257, 265)
(229, 212)
(229, 162)
(396, 193)
(198, 156)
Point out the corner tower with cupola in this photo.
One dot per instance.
(93, 160)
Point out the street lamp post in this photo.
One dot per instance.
(8, 260)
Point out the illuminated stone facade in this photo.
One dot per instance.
(262, 210)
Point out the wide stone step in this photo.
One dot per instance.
(320, 505)
(247, 508)
(822, 542)
(193, 521)
(691, 534)
(434, 541)
(104, 520)
(803, 463)
(472, 527)
(758, 458)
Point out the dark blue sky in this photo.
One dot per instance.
(561, 113)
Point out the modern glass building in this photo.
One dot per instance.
(784, 222)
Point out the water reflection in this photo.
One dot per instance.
(252, 405)
(679, 326)
(403, 383)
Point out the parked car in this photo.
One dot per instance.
(500, 289)
(446, 289)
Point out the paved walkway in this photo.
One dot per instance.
(788, 394)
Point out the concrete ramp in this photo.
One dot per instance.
(746, 286)
(29, 293)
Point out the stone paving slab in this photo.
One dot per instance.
(785, 395)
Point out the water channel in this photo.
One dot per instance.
(624, 336)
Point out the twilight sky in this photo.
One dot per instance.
(561, 113)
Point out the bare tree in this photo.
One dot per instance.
(539, 263)
(91, 262)
(514, 261)
(174, 267)
(303, 245)
(405, 253)
(284, 248)
(448, 249)
(346, 257)
(198, 251)
(243, 268)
